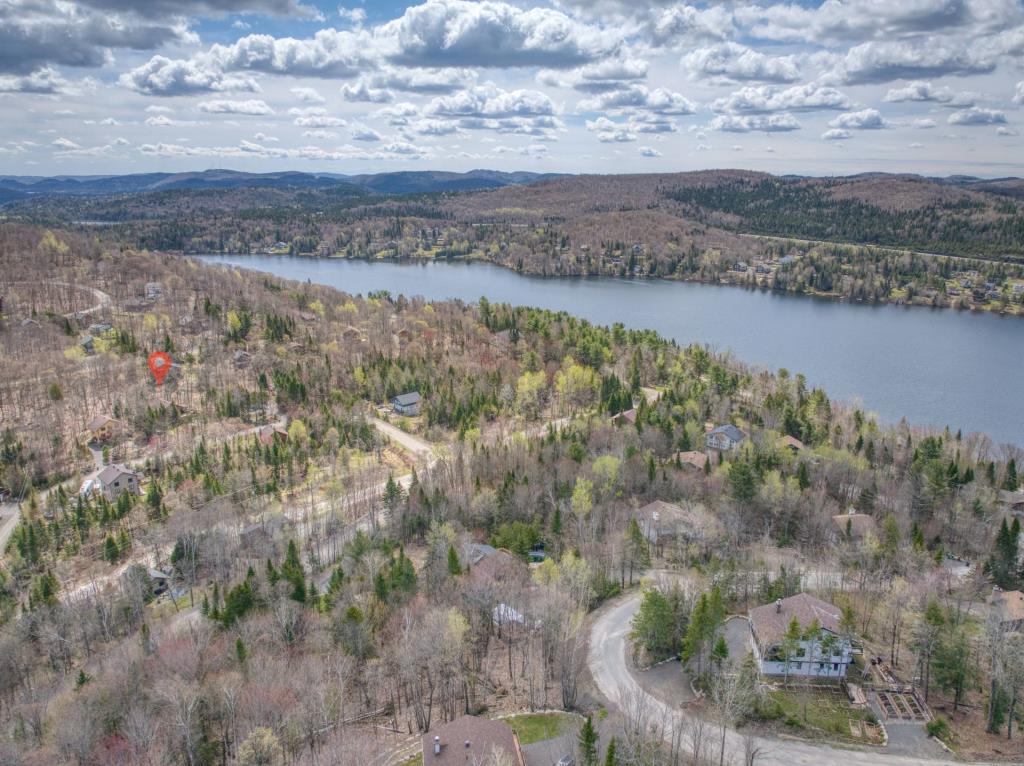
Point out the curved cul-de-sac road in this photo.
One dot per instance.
(609, 642)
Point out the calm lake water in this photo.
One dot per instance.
(933, 366)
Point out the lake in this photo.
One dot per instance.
(934, 366)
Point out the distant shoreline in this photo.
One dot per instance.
(639, 277)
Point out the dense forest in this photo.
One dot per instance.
(324, 600)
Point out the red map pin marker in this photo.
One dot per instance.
(159, 365)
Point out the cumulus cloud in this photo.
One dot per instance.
(748, 123)
(161, 76)
(732, 61)
(44, 80)
(850, 21)
(1018, 96)
(253, 107)
(35, 34)
(66, 143)
(920, 91)
(766, 99)
(599, 77)
(610, 132)
(685, 24)
(880, 62)
(361, 132)
(429, 127)
(308, 95)
(250, 149)
(316, 117)
(658, 100)
(361, 91)
(977, 116)
(446, 33)
(865, 119)
(647, 151)
(398, 115)
(1002, 130)
(491, 101)
(836, 134)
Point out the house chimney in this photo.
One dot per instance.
(778, 606)
(437, 745)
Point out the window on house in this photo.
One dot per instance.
(835, 666)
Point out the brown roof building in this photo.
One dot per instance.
(695, 459)
(813, 655)
(770, 622)
(793, 443)
(472, 741)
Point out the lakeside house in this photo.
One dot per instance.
(470, 740)
(824, 655)
(407, 404)
(724, 438)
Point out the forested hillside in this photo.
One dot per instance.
(866, 238)
(296, 583)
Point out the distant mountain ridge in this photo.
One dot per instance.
(405, 182)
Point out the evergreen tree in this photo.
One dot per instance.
(609, 753)
(742, 482)
(241, 653)
(454, 566)
(588, 743)
(1010, 481)
(110, 550)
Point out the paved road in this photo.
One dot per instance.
(609, 639)
(9, 516)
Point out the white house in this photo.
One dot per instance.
(826, 655)
(724, 438)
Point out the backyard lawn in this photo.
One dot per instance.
(829, 713)
(537, 727)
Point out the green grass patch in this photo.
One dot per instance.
(537, 727)
(825, 712)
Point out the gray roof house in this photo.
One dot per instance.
(115, 480)
(406, 404)
(727, 437)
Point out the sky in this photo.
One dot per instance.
(580, 86)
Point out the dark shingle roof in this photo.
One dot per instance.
(770, 621)
(406, 399)
(472, 740)
(729, 430)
